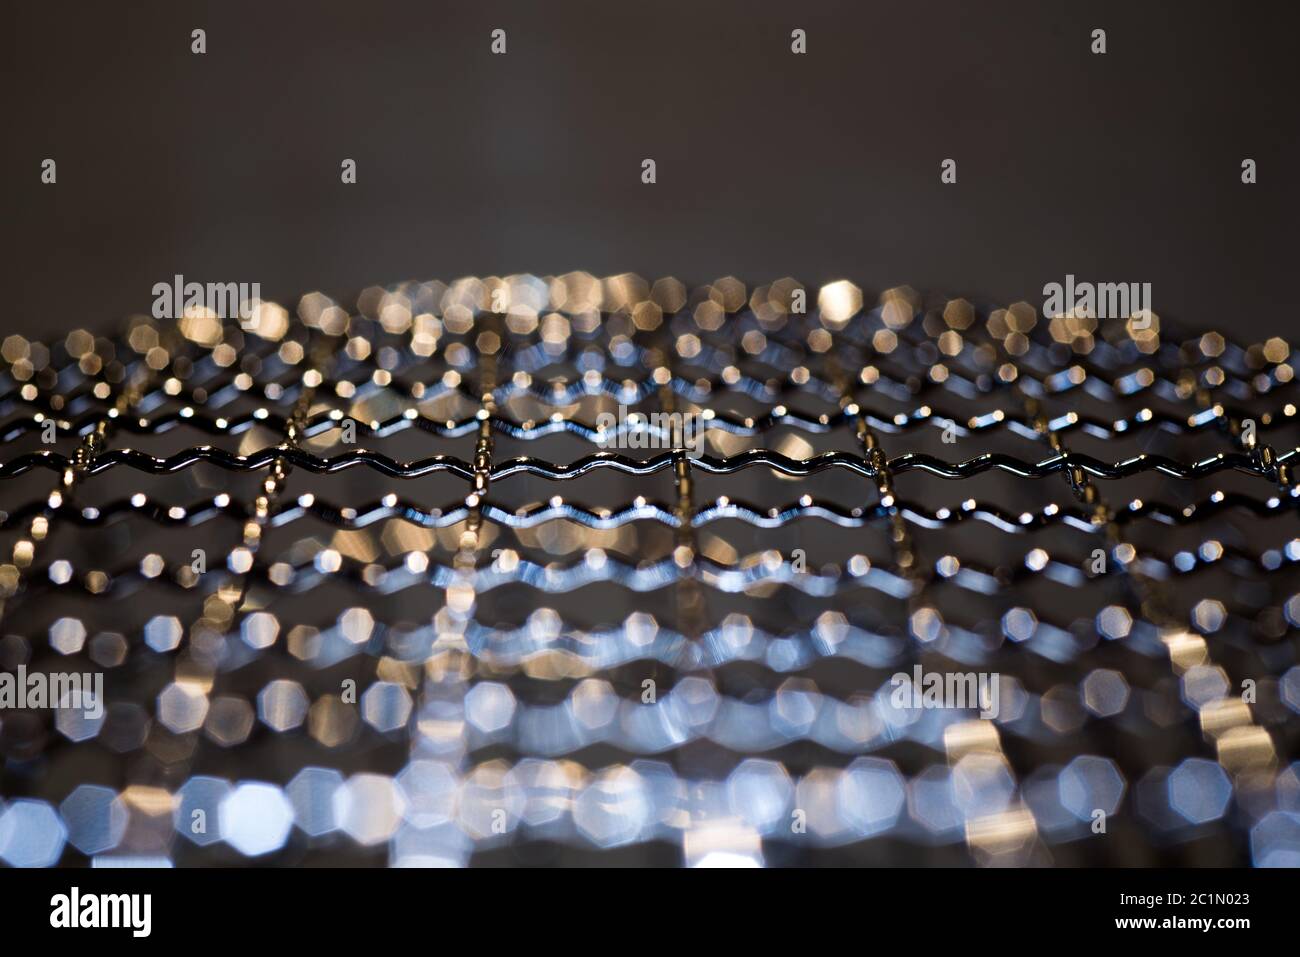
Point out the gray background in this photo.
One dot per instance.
(225, 167)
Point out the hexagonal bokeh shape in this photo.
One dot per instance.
(95, 818)
(871, 795)
(614, 808)
(1275, 840)
(838, 302)
(311, 792)
(260, 629)
(1089, 784)
(229, 721)
(80, 716)
(1209, 615)
(1019, 624)
(429, 791)
(594, 703)
(1105, 692)
(163, 633)
(255, 818)
(694, 701)
(489, 706)
(1202, 684)
(108, 649)
(31, 834)
(182, 707)
(369, 808)
(1289, 688)
(386, 706)
(1200, 790)
(794, 706)
(983, 784)
(67, 636)
(282, 705)
(197, 814)
(760, 792)
(1114, 621)
(817, 805)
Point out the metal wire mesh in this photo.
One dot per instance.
(376, 585)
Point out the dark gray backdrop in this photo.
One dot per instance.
(225, 167)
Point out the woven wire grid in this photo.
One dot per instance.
(374, 585)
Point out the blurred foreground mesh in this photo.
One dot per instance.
(485, 632)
